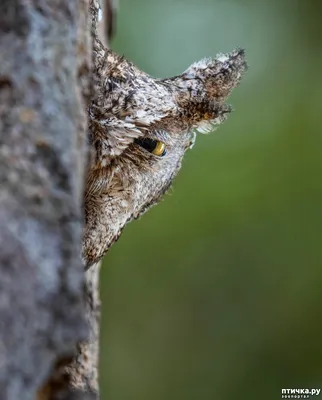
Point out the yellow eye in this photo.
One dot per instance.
(159, 149)
(153, 146)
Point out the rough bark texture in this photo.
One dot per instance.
(44, 68)
(76, 377)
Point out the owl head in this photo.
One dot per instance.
(140, 128)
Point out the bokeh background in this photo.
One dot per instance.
(216, 293)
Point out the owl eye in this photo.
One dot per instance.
(153, 146)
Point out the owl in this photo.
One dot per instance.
(139, 130)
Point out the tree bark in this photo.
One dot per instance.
(76, 377)
(45, 67)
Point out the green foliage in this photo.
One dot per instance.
(216, 292)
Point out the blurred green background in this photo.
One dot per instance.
(216, 292)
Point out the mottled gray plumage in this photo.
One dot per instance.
(125, 178)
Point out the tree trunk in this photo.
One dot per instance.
(45, 53)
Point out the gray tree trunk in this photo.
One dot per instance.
(45, 63)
